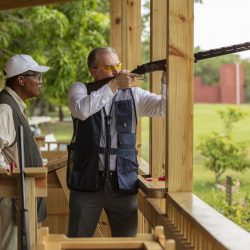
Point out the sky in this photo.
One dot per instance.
(219, 23)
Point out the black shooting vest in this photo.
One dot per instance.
(85, 174)
(32, 157)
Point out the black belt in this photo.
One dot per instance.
(102, 173)
(119, 152)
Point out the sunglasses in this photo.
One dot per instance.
(37, 75)
(109, 68)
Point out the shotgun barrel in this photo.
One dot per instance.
(25, 242)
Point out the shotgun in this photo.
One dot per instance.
(160, 65)
(25, 242)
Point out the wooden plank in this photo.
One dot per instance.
(143, 166)
(59, 241)
(158, 24)
(131, 45)
(57, 211)
(220, 231)
(126, 38)
(57, 162)
(152, 188)
(8, 183)
(13, 4)
(38, 172)
(116, 27)
(180, 102)
(61, 174)
(31, 207)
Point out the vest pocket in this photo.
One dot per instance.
(123, 115)
(127, 171)
(126, 140)
(81, 175)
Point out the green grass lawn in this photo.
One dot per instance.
(206, 119)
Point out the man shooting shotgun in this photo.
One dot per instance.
(160, 64)
(104, 163)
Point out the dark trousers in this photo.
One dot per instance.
(85, 209)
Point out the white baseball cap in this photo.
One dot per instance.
(21, 63)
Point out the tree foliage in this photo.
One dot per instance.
(59, 36)
(246, 65)
(209, 69)
(219, 149)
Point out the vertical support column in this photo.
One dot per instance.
(116, 26)
(125, 37)
(125, 34)
(180, 103)
(158, 44)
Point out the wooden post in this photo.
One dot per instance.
(125, 37)
(180, 92)
(158, 24)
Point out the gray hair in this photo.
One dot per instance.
(98, 50)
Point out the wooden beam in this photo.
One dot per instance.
(180, 96)
(116, 26)
(158, 44)
(125, 37)
(14, 4)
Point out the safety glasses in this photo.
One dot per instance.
(109, 68)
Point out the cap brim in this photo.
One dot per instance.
(40, 68)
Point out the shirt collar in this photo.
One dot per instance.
(16, 97)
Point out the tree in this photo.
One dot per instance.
(209, 69)
(60, 36)
(246, 65)
(219, 149)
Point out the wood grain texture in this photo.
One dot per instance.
(125, 37)
(202, 226)
(180, 103)
(158, 38)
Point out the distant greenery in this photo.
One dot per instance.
(220, 150)
(60, 36)
(204, 188)
(209, 70)
(206, 120)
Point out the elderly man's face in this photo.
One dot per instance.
(30, 83)
(107, 64)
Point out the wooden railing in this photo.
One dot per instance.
(188, 220)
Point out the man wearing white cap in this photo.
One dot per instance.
(23, 81)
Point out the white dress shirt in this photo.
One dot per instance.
(7, 131)
(83, 106)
